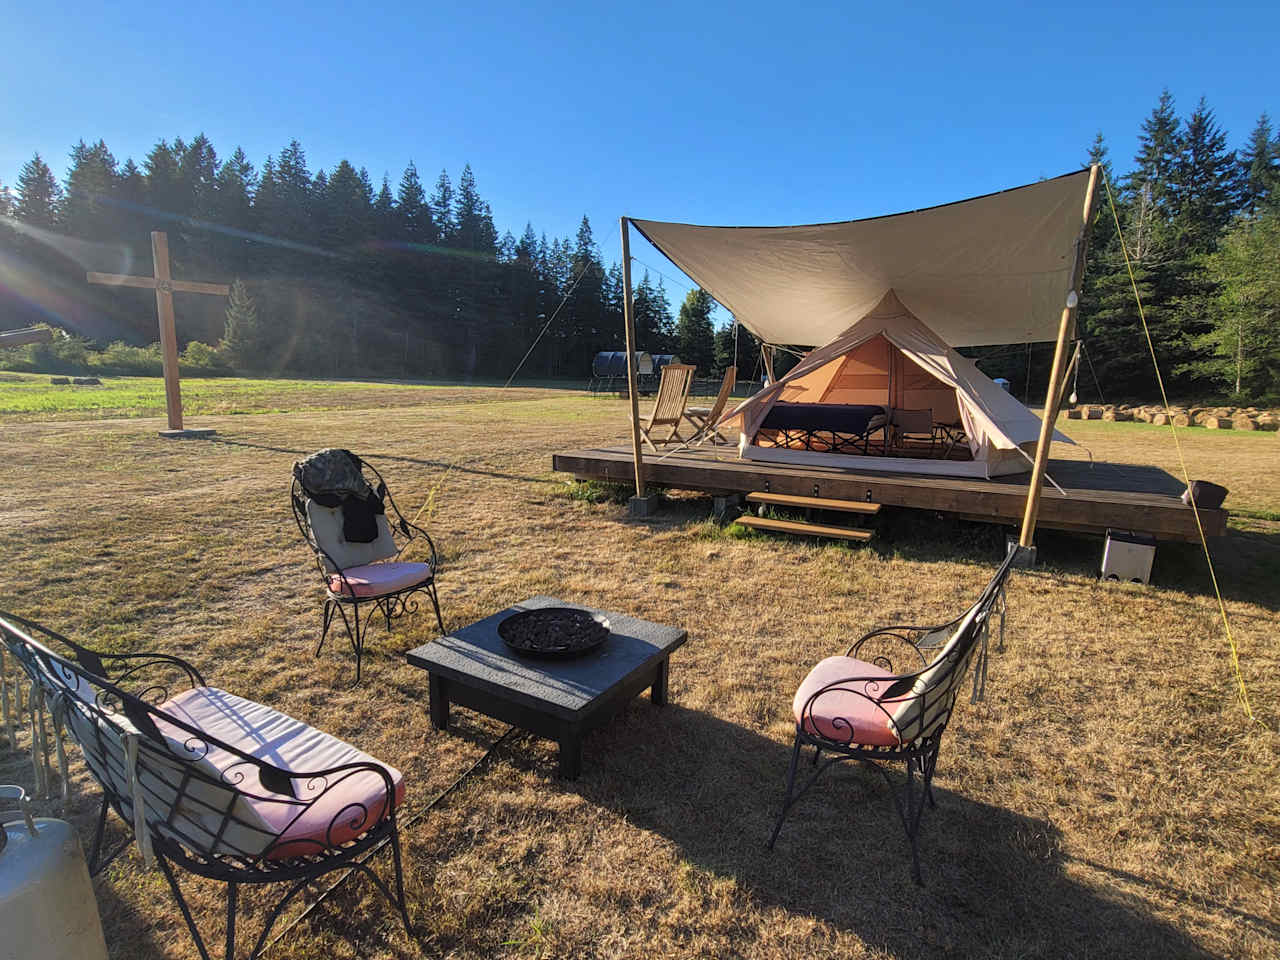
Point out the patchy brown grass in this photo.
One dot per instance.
(1107, 799)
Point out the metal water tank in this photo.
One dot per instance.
(47, 907)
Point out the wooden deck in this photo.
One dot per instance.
(1098, 497)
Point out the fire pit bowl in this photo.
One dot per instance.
(554, 631)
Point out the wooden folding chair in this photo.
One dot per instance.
(704, 419)
(668, 409)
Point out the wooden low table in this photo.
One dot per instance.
(561, 699)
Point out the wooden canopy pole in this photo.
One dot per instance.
(1057, 374)
(629, 321)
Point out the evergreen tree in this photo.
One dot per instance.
(198, 174)
(348, 207)
(384, 212)
(694, 333)
(91, 181)
(38, 195)
(472, 221)
(725, 352)
(1259, 172)
(164, 186)
(232, 208)
(441, 205)
(415, 221)
(1203, 188)
(242, 337)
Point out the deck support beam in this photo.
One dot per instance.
(1057, 374)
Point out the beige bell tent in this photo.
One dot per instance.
(897, 295)
(891, 359)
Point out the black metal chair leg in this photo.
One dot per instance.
(788, 799)
(231, 920)
(182, 905)
(435, 602)
(329, 609)
(98, 834)
(404, 910)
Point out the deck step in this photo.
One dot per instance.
(803, 529)
(814, 503)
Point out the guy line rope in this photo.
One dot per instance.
(1242, 694)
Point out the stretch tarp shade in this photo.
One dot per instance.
(994, 269)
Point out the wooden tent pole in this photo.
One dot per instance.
(629, 322)
(1057, 377)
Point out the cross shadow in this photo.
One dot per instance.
(994, 879)
(376, 458)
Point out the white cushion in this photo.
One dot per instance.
(326, 528)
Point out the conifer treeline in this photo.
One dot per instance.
(336, 277)
(1202, 224)
(340, 278)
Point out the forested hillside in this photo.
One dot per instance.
(336, 275)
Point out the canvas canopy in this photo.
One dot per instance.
(890, 357)
(994, 269)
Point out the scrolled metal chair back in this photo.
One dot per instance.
(155, 768)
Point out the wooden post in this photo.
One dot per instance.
(18, 338)
(1057, 377)
(766, 354)
(629, 321)
(168, 330)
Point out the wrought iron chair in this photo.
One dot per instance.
(369, 574)
(222, 787)
(860, 707)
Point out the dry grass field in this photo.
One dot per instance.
(1108, 799)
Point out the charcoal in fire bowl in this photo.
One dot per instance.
(554, 631)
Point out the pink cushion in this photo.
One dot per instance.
(848, 713)
(352, 804)
(379, 579)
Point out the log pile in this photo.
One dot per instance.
(1211, 418)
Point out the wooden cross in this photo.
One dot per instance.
(164, 285)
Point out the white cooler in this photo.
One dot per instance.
(1128, 556)
(47, 907)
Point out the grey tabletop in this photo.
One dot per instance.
(478, 657)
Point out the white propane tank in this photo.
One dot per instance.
(47, 907)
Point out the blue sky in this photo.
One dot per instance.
(740, 112)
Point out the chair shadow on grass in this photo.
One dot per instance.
(995, 881)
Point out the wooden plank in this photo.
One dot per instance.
(192, 286)
(814, 503)
(803, 529)
(1090, 509)
(121, 280)
(168, 331)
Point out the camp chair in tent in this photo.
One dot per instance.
(859, 707)
(668, 410)
(210, 783)
(912, 425)
(358, 535)
(704, 419)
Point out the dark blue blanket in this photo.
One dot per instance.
(849, 418)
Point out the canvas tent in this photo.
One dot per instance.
(996, 269)
(891, 358)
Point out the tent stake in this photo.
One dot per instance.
(629, 321)
(1053, 399)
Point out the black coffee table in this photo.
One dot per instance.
(560, 699)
